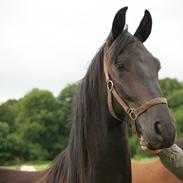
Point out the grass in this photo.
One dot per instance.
(37, 165)
(144, 160)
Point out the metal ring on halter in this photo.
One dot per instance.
(110, 85)
(132, 114)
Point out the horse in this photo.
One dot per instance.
(120, 88)
(154, 172)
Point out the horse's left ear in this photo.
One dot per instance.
(119, 22)
(144, 29)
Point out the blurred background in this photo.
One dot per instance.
(46, 47)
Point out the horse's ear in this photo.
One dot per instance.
(119, 22)
(144, 29)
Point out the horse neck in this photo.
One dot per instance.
(108, 151)
(98, 148)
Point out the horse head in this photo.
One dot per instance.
(131, 74)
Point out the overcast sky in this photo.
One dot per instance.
(48, 43)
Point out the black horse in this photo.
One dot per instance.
(121, 86)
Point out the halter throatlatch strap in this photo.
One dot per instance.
(133, 113)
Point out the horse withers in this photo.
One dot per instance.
(120, 87)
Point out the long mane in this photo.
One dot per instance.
(70, 165)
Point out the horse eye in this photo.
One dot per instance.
(120, 67)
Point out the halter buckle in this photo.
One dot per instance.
(110, 85)
(132, 114)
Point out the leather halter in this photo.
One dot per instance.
(133, 113)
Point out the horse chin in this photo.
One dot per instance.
(154, 145)
(151, 146)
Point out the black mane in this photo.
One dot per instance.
(70, 164)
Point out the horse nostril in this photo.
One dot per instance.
(157, 127)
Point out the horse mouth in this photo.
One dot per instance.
(143, 143)
(148, 145)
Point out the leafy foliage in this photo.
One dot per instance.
(36, 126)
(169, 85)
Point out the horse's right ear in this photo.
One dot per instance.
(119, 22)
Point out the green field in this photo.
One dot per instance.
(144, 160)
(37, 165)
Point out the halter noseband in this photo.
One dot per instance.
(133, 113)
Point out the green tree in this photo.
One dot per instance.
(63, 115)
(36, 123)
(4, 131)
(169, 85)
(175, 99)
(178, 113)
(36, 126)
(8, 113)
